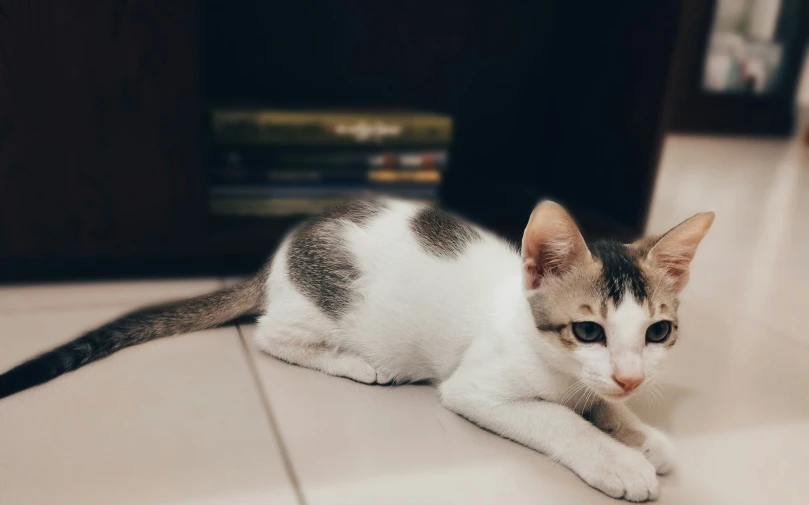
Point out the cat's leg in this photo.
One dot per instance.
(308, 350)
(325, 359)
(555, 430)
(620, 422)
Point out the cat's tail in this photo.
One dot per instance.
(137, 327)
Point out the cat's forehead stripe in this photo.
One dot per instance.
(621, 272)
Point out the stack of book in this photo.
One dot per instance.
(280, 163)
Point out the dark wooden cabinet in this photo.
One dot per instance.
(103, 114)
(100, 129)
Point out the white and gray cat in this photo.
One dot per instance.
(540, 347)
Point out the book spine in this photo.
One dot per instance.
(284, 176)
(291, 129)
(239, 176)
(399, 176)
(410, 160)
(250, 156)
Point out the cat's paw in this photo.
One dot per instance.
(659, 450)
(351, 367)
(360, 372)
(621, 472)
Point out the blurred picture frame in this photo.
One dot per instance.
(740, 63)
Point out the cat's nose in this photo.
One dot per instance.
(628, 382)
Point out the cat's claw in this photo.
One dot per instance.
(622, 472)
(659, 450)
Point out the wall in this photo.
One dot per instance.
(803, 86)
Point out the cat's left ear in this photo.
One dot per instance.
(674, 251)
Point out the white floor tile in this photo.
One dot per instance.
(177, 421)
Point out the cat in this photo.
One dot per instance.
(540, 345)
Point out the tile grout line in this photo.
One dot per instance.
(265, 402)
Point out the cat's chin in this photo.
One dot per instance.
(616, 397)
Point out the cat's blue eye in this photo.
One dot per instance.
(588, 331)
(658, 332)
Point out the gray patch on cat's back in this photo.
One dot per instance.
(320, 263)
(441, 234)
(355, 211)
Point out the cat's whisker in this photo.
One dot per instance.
(574, 389)
(565, 391)
(586, 399)
(571, 391)
(593, 397)
(586, 393)
(655, 394)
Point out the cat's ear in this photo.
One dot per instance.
(674, 251)
(551, 244)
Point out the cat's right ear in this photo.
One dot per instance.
(551, 244)
(673, 252)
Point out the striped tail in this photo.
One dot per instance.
(135, 328)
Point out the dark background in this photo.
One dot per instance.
(103, 113)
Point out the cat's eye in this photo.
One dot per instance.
(658, 332)
(588, 331)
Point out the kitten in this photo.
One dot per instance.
(525, 345)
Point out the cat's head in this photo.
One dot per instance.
(607, 311)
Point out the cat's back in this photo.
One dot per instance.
(408, 238)
(388, 246)
(397, 282)
(426, 288)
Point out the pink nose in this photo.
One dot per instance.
(628, 383)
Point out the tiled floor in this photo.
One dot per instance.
(205, 419)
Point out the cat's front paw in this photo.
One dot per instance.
(621, 472)
(659, 450)
(383, 377)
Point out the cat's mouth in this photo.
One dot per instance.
(623, 395)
